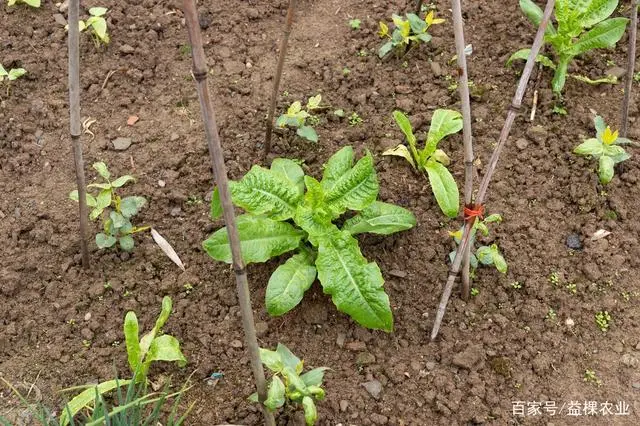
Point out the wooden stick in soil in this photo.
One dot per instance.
(484, 185)
(276, 81)
(630, 67)
(463, 90)
(74, 124)
(219, 170)
(418, 6)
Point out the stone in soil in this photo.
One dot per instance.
(121, 144)
(574, 242)
(374, 387)
(471, 358)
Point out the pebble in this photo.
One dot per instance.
(342, 336)
(629, 360)
(356, 346)
(262, 328)
(470, 358)
(398, 273)
(538, 134)
(87, 316)
(573, 242)
(522, 144)
(174, 137)
(635, 385)
(59, 18)
(236, 344)
(374, 387)
(121, 144)
(176, 211)
(344, 404)
(618, 72)
(436, 69)
(126, 49)
(365, 358)
(162, 183)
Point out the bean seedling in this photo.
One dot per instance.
(431, 160)
(97, 25)
(117, 227)
(606, 148)
(297, 118)
(288, 386)
(582, 26)
(32, 3)
(11, 75)
(485, 255)
(407, 32)
(274, 197)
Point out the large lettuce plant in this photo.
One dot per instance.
(287, 211)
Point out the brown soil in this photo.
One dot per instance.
(496, 349)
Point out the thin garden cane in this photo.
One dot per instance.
(219, 170)
(74, 124)
(484, 185)
(463, 90)
(624, 126)
(276, 83)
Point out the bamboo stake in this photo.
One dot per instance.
(74, 124)
(199, 73)
(276, 83)
(484, 185)
(463, 90)
(418, 6)
(630, 67)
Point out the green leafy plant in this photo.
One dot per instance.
(96, 24)
(355, 119)
(141, 353)
(590, 377)
(484, 255)
(606, 148)
(354, 24)
(474, 291)
(602, 320)
(116, 224)
(11, 75)
(297, 118)
(282, 217)
(289, 387)
(32, 3)
(430, 159)
(407, 32)
(582, 26)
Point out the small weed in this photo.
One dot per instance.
(11, 75)
(590, 377)
(554, 278)
(355, 24)
(572, 288)
(551, 315)
(108, 286)
(86, 343)
(346, 71)
(185, 50)
(194, 200)
(363, 53)
(355, 119)
(559, 110)
(474, 291)
(188, 288)
(300, 119)
(516, 285)
(603, 320)
(636, 77)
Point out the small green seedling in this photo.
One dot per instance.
(287, 211)
(117, 227)
(407, 32)
(32, 3)
(605, 148)
(582, 26)
(97, 25)
(355, 24)
(590, 377)
(551, 315)
(140, 353)
(474, 291)
(297, 118)
(485, 255)
(516, 285)
(431, 160)
(355, 119)
(11, 75)
(602, 320)
(288, 386)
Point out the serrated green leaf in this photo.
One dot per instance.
(130, 206)
(380, 218)
(122, 180)
(444, 122)
(314, 377)
(313, 216)
(263, 191)
(215, 210)
(355, 189)
(289, 359)
(307, 132)
(591, 147)
(271, 360)
(105, 241)
(339, 164)
(524, 55)
(288, 283)
(604, 34)
(261, 239)
(126, 242)
(291, 171)
(444, 188)
(355, 286)
(401, 151)
(102, 169)
(275, 394)
(596, 11)
(605, 169)
(310, 411)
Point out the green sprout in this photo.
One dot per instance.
(354, 24)
(299, 118)
(407, 32)
(355, 119)
(590, 377)
(602, 320)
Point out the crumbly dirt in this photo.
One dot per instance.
(502, 346)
